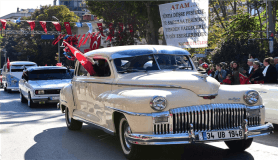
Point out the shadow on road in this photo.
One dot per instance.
(92, 143)
(272, 138)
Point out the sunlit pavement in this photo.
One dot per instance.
(41, 133)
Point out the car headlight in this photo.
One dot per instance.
(251, 97)
(158, 103)
(39, 92)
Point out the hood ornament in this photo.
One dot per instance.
(202, 76)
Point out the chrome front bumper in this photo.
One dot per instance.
(192, 137)
(48, 99)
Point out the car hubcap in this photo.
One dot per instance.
(127, 131)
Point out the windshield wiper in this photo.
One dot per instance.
(181, 67)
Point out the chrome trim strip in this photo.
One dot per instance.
(203, 95)
(149, 85)
(158, 114)
(101, 127)
(63, 101)
(165, 139)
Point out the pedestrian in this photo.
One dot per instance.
(256, 76)
(235, 73)
(230, 68)
(227, 80)
(211, 70)
(220, 73)
(250, 67)
(271, 60)
(269, 72)
(276, 63)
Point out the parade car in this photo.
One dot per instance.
(40, 85)
(154, 95)
(12, 72)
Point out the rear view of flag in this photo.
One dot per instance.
(4, 22)
(32, 25)
(57, 26)
(86, 62)
(67, 26)
(8, 63)
(43, 24)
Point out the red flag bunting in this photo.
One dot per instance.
(111, 32)
(57, 26)
(43, 24)
(86, 62)
(32, 24)
(85, 41)
(100, 28)
(243, 79)
(121, 28)
(57, 39)
(59, 64)
(81, 40)
(67, 26)
(8, 63)
(78, 36)
(4, 22)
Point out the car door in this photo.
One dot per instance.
(98, 87)
(79, 91)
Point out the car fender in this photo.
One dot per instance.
(67, 98)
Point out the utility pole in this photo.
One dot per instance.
(58, 41)
(271, 25)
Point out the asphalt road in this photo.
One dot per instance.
(41, 134)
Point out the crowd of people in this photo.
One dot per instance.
(233, 73)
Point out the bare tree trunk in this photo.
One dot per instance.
(234, 6)
(219, 17)
(222, 7)
(151, 25)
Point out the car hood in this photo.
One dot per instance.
(191, 80)
(48, 84)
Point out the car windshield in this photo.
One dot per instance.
(19, 68)
(49, 74)
(152, 62)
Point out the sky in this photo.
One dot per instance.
(10, 6)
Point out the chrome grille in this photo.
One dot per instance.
(210, 117)
(54, 91)
(161, 128)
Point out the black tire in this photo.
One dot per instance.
(5, 88)
(130, 151)
(22, 98)
(72, 124)
(30, 102)
(9, 90)
(239, 145)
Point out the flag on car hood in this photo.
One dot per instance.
(8, 63)
(86, 62)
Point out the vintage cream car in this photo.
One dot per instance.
(153, 95)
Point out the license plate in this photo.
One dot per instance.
(222, 135)
(55, 98)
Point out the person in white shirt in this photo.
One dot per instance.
(250, 64)
(269, 72)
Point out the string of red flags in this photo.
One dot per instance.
(4, 22)
(43, 24)
(57, 26)
(32, 25)
(121, 28)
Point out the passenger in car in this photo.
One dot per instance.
(102, 68)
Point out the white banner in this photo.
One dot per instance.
(185, 23)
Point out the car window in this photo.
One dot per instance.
(101, 67)
(17, 68)
(173, 62)
(49, 74)
(81, 70)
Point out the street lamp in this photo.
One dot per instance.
(58, 41)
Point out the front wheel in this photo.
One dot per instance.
(30, 102)
(131, 151)
(22, 98)
(239, 145)
(5, 88)
(72, 124)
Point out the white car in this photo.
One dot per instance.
(43, 84)
(154, 95)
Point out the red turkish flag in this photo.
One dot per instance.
(59, 64)
(97, 42)
(57, 39)
(86, 62)
(81, 40)
(8, 63)
(78, 36)
(131, 29)
(32, 24)
(67, 26)
(100, 28)
(243, 79)
(57, 26)
(4, 22)
(45, 65)
(43, 24)
(111, 34)
(88, 36)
